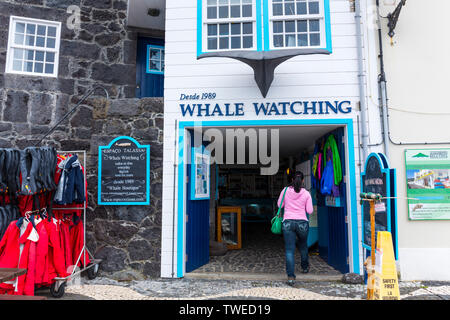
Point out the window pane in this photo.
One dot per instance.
(223, 43)
(247, 11)
(41, 30)
(223, 1)
(314, 25)
(212, 2)
(246, 1)
(277, 40)
(29, 41)
(51, 31)
(31, 28)
(29, 54)
(290, 26)
(28, 66)
(50, 57)
(235, 42)
(212, 43)
(314, 39)
(18, 54)
(155, 65)
(155, 54)
(20, 27)
(277, 9)
(302, 26)
(278, 27)
(302, 40)
(19, 38)
(224, 29)
(39, 56)
(212, 12)
(235, 28)
(289, 8)
(223, 12)
(247, 42)
(212, 29)
(313, 7)
(51, 43)
(290, 40)
(301, 7)
(39, 67)
(40, 41)
(17, 65)
(247, 28)
(235, 11)
(236, 2)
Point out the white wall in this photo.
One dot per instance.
(316, 78)
(417, 68)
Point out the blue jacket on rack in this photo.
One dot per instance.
(71, 183)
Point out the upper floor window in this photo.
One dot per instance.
(263, 25)
(228, 24)
(297, 23)
(33, 47)
(155, 59)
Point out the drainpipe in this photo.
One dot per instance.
(382, 84)
(361, 76)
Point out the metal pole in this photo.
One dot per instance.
(370, 285)
(173, 195)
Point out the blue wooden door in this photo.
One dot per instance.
(197, 226)
(337, 218)
(150, 67)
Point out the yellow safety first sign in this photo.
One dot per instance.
(385, 277)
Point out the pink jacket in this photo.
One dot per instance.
(296, 205)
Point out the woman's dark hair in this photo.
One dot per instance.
(297, 181)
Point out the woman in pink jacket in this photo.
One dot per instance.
(297, 203)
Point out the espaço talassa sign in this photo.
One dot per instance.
(124, 173)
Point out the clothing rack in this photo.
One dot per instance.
(58, 287)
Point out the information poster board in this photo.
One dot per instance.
(124, 173)
(200, 174)
(428, 181)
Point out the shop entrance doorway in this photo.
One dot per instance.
(333, 237)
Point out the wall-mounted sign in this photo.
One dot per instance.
(428, 181)
(379, 178)
(124, 173)
(200, 174)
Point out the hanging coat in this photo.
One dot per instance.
(77, 241)
(41, 251)
(55, 265)
(336, 160)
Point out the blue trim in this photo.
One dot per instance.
(199, 27)
(147, 68)
(195, 151)
(266, 25)
(100, 148)
(326, 8)
(259, 38)
(256, 123)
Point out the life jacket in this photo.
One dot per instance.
(3, 184)
(29, 169)
(327, 181)
(12, 160)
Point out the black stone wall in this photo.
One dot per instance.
(101, 52)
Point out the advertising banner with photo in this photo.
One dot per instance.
(428, 183)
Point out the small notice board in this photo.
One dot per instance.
(124, 173)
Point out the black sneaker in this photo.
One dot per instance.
(291, 281)
(305, 270)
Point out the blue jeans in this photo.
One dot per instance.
(295, 232)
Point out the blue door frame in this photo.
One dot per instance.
(353, 217)
(149, 82)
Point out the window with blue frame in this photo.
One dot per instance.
(263, 25)
(155, 59)
(228, 24)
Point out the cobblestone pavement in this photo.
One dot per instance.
(262, 252)
(103, 288)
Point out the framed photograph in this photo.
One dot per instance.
(229, 226)
(200, 174)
